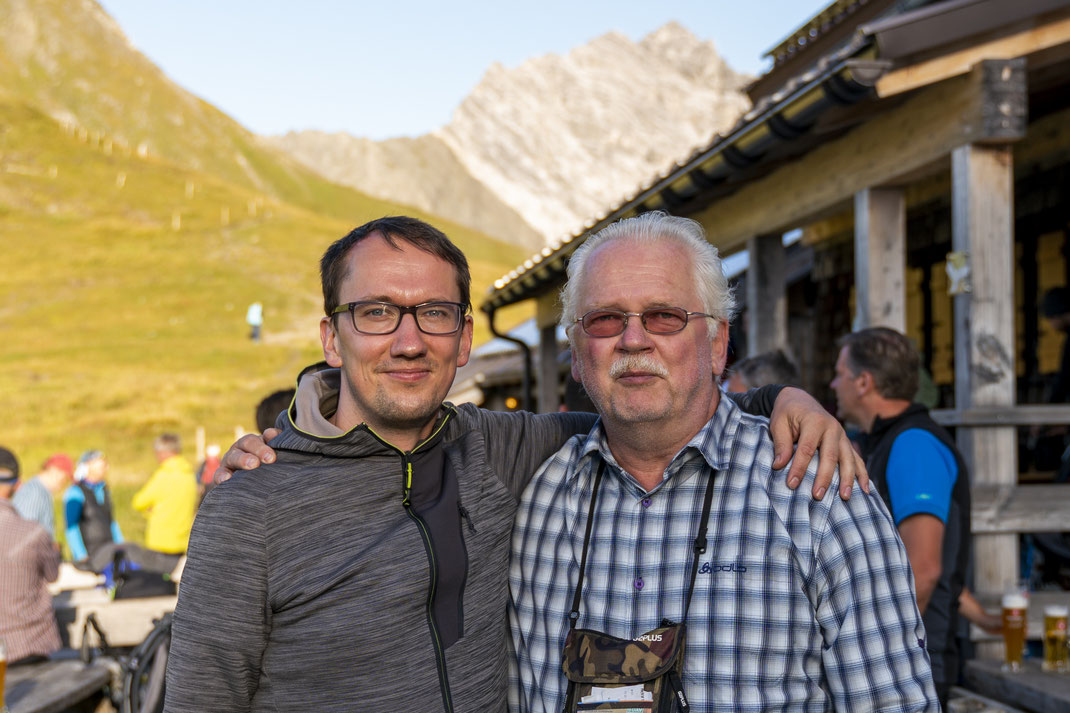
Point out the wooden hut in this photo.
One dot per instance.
(923, 148)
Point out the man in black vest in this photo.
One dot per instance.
(919, 473)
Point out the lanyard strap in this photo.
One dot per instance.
(699, 547)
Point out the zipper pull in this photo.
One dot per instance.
(467, 519)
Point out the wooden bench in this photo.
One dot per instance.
(1031, 689)
(57, 684)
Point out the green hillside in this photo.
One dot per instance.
(126, 274)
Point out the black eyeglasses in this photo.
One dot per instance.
(657, 320)
(385, 317)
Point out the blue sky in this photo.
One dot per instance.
(400, 68)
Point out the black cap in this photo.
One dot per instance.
(8, 461)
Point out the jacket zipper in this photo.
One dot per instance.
(467, 519)
(425, 536)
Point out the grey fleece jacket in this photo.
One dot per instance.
(310, 583)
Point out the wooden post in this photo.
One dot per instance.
(880, 258)
(200, 443)
(767, 307)
(548, 379)
(982, 225)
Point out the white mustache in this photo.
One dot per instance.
(637, 362)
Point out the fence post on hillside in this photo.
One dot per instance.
(200, 443)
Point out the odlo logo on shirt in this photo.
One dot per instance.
(707, 568)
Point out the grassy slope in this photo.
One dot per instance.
(117, 327)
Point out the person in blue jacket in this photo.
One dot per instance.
(87, 506)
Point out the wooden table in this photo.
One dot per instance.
(126, 622)
(55, 685)
(1031, 689)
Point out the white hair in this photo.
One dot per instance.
(653, 229)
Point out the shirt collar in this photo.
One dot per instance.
(713, 443)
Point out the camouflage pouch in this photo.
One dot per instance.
(614, 675)
(606, 673)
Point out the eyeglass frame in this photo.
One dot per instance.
(402, 311)
(627, 315)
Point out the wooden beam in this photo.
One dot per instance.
(1038, 415)
(1020, 508)
(982, 227)
(880, 258)
(1026, 41)
(915, 134)
(548, 379)
(767, 305)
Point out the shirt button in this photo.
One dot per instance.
(638, 582)
(646, 502)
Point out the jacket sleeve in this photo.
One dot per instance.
(72, 512)
(222, 619)
(518, 442)
(145, 498)
(758, 402)
(49, 558)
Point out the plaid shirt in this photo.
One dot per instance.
(799, 604)
(27, 563)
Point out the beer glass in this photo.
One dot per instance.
(1015, 615)
(1056, 653)
(3, 672)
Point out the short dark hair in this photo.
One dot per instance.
(271, 406)
(333, 268)
(889, 356)
(766, 368)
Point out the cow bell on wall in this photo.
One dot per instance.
(958, 273)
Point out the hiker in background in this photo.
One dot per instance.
(33, 500)
(254, 317)
(28, 562)
(169, 498)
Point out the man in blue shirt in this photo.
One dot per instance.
(920, 474)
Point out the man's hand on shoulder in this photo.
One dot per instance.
(247, 453)
(800, 420)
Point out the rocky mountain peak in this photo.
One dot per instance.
(554, 141)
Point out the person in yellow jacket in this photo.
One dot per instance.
(169, 498)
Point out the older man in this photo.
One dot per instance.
(921, 474)
(365, 567)
(797, 604)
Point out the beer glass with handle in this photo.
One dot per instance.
(1056, 653)
(1015, 621)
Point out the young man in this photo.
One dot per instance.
(365, 567)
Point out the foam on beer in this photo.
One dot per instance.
(1056, 610)
(1015, 600)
